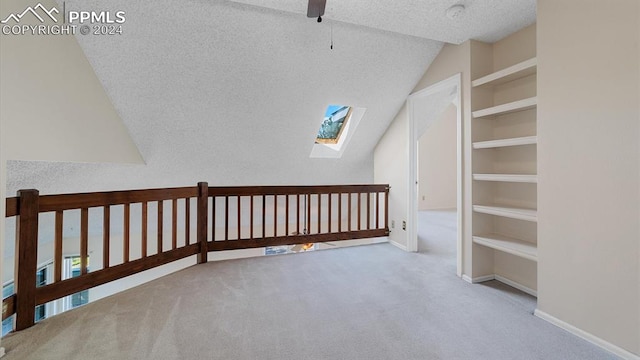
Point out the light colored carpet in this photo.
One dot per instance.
(368, 302)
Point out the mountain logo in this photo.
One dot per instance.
(34, 12)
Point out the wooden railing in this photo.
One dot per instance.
(225, 218)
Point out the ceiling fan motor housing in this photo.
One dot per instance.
(316, 9)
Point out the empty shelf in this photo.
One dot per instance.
(517, 71)
(509, 212)
(509, 245)
(506, 178)
(527, 140)
(519, 105)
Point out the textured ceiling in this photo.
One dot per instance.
(234, 93)
(484, 20)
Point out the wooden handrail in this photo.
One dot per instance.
(8, 306)
(291, 204)
(67, 287)
(293, 190)
(11, 209)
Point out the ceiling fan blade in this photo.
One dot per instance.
(316, 8)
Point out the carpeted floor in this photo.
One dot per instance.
(368, 302)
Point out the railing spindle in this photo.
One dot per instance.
(226, 218)
(297, 214)
(349, 211)
(251, 218)
(144, 229)
(286, 219)
(307, 229)
(174, 224)
(377, 210)
(213, 217)
(359, 211)
(84, 240)
(57, 252)
(187, 221)
(127, 228)
(160, 227)
(329, 213)
(264, 216)
(239, 223)
(319, 214)
(339, 212)
(275, 215)
(368, 211)
(106, 237)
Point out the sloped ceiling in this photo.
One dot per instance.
(62, 115)
(484, 20)
(233, 93)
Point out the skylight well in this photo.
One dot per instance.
(335, 121)
(336, 130)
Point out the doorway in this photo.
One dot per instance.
(425, 108)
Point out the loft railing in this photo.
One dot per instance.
(225, 218)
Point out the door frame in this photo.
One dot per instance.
(449, 84)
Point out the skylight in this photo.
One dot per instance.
(334, 124)
(336, 129)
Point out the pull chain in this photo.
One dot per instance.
(331, 36)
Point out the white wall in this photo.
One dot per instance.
(437, 163)
(391, 167)
(589, 167)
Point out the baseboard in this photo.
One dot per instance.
(503, 280)
(516, 285)
(379, 240)
(478, 279)
(440, 209)
(398, 245)
(616, 350)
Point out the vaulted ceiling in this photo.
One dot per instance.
(233, 92)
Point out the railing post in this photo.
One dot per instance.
(26, 258)
(202, 220)
(386, 209)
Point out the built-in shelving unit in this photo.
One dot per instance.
(504, 170)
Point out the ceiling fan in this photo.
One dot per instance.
(315, 9)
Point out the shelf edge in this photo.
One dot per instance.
(495, 77)
(515, 106)
(488, 241)
(512, 213)
(517, 178)
(526, 140)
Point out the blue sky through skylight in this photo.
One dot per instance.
(331, 109)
